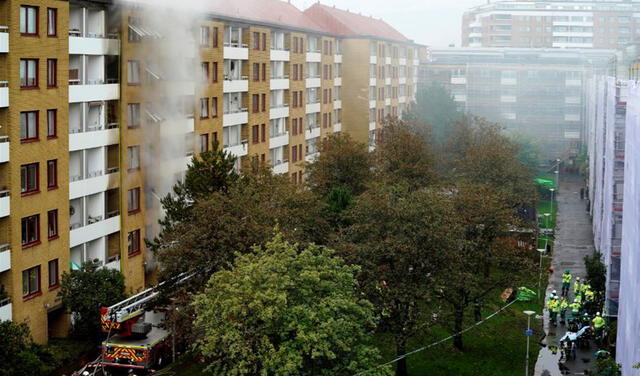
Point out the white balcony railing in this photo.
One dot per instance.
(5, 257)
(4, 203)
(238, 150)
(4, 149)
(5, 309)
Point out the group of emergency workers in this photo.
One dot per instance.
(581, 308)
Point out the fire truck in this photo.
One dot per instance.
(136, 338)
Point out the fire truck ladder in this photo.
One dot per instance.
(135, 305)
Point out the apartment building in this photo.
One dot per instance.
(545, 24)
(103, 107)
(537, 93)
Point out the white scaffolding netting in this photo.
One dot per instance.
(596, 153)
(628, 341)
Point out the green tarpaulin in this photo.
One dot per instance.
(525, 294)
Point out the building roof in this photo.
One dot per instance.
(343, 22)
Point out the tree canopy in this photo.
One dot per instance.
(283, 311)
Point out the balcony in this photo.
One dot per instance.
(113, 263)
(93, 92)
(5, 309)
(236, 51)
(373, 60)
(337, 104)
(4, 93)
(387, 60)
(313, 131)
(95, 229)
(312, 108)
(387, 81)
(337, 127)
(4, 203)
(372, 104)
(5, 257)
(235, 117)
(570, 82)
(94, 137)
(402, 99)
(94, 45)
(278, 140)
(416, 62)
(280, 167)
(403, 80)
(93, 182)
(457, 80)
(314, 57)
(337, 81)
(313, 82)
(236, 84)
(387, 101)
(4, 39)
(508, 81)
(372, 125)
(279, 83)
(337, 59)
(239, 150)
(402, 61)
(310, 157)
(373, 81)
(4, 149)
(279, 55)
(279, 111)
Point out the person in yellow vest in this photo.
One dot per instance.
(563, 305)
(576, 287)
(598, 325)
(575, 309)
(566, 282)
(555, 309)
(584, 288)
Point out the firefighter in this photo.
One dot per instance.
(598, 325)
(566, 282)
(563, 304)
(576, 286)
(575, 309)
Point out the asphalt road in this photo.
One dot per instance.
(574, 240)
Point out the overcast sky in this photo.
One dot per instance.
(431, 22)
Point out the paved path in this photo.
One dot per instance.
(574, 240)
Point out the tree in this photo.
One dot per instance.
(400, 237)
(85, 291)
(281, 311)
(596, 273)
(343, 162)
(435, 106)
(208, 173)
(20, 356)
(486, 259)
(402, 154)
(227, 224)
(478, 152)
(529, 152)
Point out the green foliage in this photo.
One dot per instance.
(607, 367)
(85, 291)
(596, 272)
(435, 106)
(343, 162)
(209, 172)
(280, 311)
(20, 356)
(530, 153)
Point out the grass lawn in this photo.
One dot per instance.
(497, 347)
(545, 206)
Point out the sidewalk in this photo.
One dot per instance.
(574, 240)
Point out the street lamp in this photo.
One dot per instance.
(541, 251)
(552, 190)
(528, 333)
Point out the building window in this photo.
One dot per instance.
(204, 36)
(204, 108)
(133, 72)
(28, 73)
(255, 102)
(52, 73)
(133, 200)
(256, 41)
(30, 230)
(264, 41)
(255, 134)
(52, 22)
(215, 72)
(294, 127)
(52, 224)
(204, 143)
(133, 115)
(215, 37)
(29, 178)
(29, 126)
(133, 32)
(214, 107)
(294, 153)
(31, 282)
(256, 72)
(264, 102)
(54, 281)
(133, 241)
(263, 132)
(204, 68)
(264, 71)
(52, 174)
(52, 123)
(133, 153)
(28, 20)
